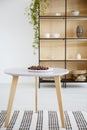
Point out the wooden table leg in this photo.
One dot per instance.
(11, 99)
(36, 94)
(59, 99)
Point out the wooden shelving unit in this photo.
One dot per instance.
(63, 51)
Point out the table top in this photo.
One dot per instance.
(25, 72)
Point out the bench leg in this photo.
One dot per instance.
(59, 99)
(11, 99)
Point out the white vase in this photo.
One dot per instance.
(78, 56)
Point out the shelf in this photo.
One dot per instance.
(72, 80)
(63, 51)
(69, 60)
(63, 17)
(82, 38)
(76, 17)
(62, 80)
(52, 38)
(76, 60)
(85, 38)
(50, 60)
(52, 17)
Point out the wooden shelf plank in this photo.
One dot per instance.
(63, 80)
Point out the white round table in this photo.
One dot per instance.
(52, 72)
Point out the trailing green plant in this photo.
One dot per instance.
(33, 11)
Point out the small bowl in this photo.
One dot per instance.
(58, 14)
(47, 35)
(75, 12)
(56, 35)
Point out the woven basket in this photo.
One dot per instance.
(79, 75)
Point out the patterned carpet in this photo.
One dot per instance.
(44, 120)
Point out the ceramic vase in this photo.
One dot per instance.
(79, 31)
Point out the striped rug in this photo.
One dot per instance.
(44, 120)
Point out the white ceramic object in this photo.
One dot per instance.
(47, 35)
(58, 14)
(56, 35)
(78, 56)
(75, 12)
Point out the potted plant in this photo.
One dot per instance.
(33, 11)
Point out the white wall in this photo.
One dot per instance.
(16, 37)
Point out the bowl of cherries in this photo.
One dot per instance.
(39, 68)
